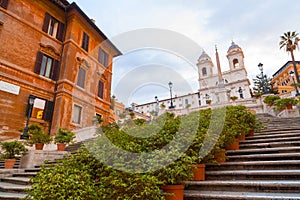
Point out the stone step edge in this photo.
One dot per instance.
(263, 150)
(277, 162)
(11, 195)
(264, 140)
(273, 135)
(255, 172)
(273, 155)
(269, 144)
(252, 183)
(240, 195)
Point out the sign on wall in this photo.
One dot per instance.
(10, 88)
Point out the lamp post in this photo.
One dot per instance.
(292, 74)
(30, 104)
(157, 108)
(260, 67)
(170, 86)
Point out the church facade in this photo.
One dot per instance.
(221, 86)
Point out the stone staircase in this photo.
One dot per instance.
(266, 167)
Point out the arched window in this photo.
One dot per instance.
(236, 63)
(204, 72)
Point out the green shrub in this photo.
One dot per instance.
(270, 100)
(64, 136)
(12, 150)
(36, 135)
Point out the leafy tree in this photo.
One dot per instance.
(259, 87)
(289, 41)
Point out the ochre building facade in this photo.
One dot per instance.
(51, 51)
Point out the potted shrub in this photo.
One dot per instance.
(233, 98)
(162, 106)
(270, 100)
(11, 151)
(285, 103)
(62, 138)
(208, 101)
(37, 137)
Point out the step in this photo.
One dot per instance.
(253, 175)
(268, 144)
(11, 196)
(274, 135)
(37, 169)
(25, 174)
(264, 151)
(264, 140)
(12, 187)
(16, 180)
(217, 195)
(246, 185)
(265, 157)
(255, 165)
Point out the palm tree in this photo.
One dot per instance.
(290, 41)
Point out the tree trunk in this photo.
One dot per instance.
(295, 67)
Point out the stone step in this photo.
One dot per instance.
(25, 174)
(12, 187)
(253, 175)
(274, 186)
(276, 134)
(11, 196)
(264, 140)
(264, 157)
(268, 144)
(255, 165)
(16, 180)
(33, 169)
(264, 151)
(217, 195)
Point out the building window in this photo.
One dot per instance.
(41, 109)
(81, 77)
(47, 66)
(236, 63)
(53, 27)
(118, 112)
(186, 101)
(100, 89)
(199, 102)
(103, 57)
(77, 114)
(85, 41)
(4, 3)
(204, 71)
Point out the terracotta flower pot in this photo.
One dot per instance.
(9, 163)
(220, 156)
(39, 146)
(242, 137)
(234, 145)
(199, 173)
(176, 192)
(289, 106)
(251, 133)
(61, 146)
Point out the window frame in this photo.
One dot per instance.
(100, 92)
(81, 76)
(85, 41)
(78, 120)
(58, 32)
(53, 72)
(103, 57)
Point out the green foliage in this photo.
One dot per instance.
(36, 135)
(208, 101)
(64, 136)
(233, 98)
(12, 150)
(97, 119)
(162, 105)
(270, 100)
(139, 121)
(282, 103)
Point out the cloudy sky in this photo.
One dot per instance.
(193, 25)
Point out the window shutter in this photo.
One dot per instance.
(46, 22)
(4, 3)
(38, 63)
(100, 89)
(55, 70)
(60, 31)
(48, 111)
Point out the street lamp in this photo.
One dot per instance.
(157, 109)
(30, 104)
(292, 74)
(170, 86)
(260, 67)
